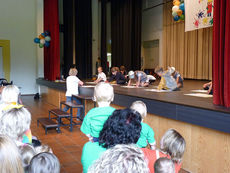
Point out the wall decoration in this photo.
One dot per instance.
(43, 39)
(198, 14)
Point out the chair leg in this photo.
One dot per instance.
(59, 124)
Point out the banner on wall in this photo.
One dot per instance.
(198, 14)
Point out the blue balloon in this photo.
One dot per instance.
(181, 7)
(47, 33)
(176, 18)
(43, 34)
(47, 44)
(36, 40)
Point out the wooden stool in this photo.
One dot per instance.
(47, 123)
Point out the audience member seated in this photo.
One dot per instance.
(10, 160)
(117, 77)
(164, 165)
(96, 117)
(139, 77)
(27, 153)
(147, 133)
(15, 123)
(43, 148)
(122, 159)
(122, 127)
(172, 145)
(167, 81)
(177, 76)
(44, 163)
(101, 77)
(208, 86)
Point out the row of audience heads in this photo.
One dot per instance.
(16, 157)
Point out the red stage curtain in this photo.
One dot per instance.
(52, 53)
(221, 53)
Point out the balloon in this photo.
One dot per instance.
(176, 3)
(41, 36)
(47, 38)
(182, 7)
(175, 8)
(42, 41)
(47, 44)
(174, 13)
(41, 45)
(179, 12)
(47, 33)
(36, 40)
(182, 17)
(176, 18)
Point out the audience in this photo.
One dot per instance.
(164, 165)
(117, 77)
(147, 133)
(172, 145)
(10, 159)
(44, 163)
(15, 123)
(96, 117)
(122, 127)
(27, 153)
(122, 159)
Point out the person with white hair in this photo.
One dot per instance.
(176, 75)
(10, 160)
(122, 159)
(140, 77)
(15, 123)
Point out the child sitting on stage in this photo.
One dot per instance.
(167, 81)
(176, 75)
(72, 83)
(117, 77)
(95, 118)
(140, 78)
(101, 75)
(147, 133)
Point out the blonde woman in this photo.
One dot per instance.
(72, 83)
(10, 161)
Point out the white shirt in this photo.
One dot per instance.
(102, 76)
(72, 85)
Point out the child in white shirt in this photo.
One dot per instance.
(101, 75)
(72, 82)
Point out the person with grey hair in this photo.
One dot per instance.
(164, 165)
(15, 123)
(122, 159)
(27, 153)
(10, 160)
(44, 162)
(147, 133)
(172, 145)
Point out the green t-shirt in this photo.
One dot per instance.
(146, 136)
(90, 153)
(95, 119)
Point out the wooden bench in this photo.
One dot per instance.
(47, 123)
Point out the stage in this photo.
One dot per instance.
(174, 105)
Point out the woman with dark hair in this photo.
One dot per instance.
(122, 127)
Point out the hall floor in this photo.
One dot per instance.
(67, 146)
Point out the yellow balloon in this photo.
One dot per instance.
(41, 36)
(179, 12)
(176, 2)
